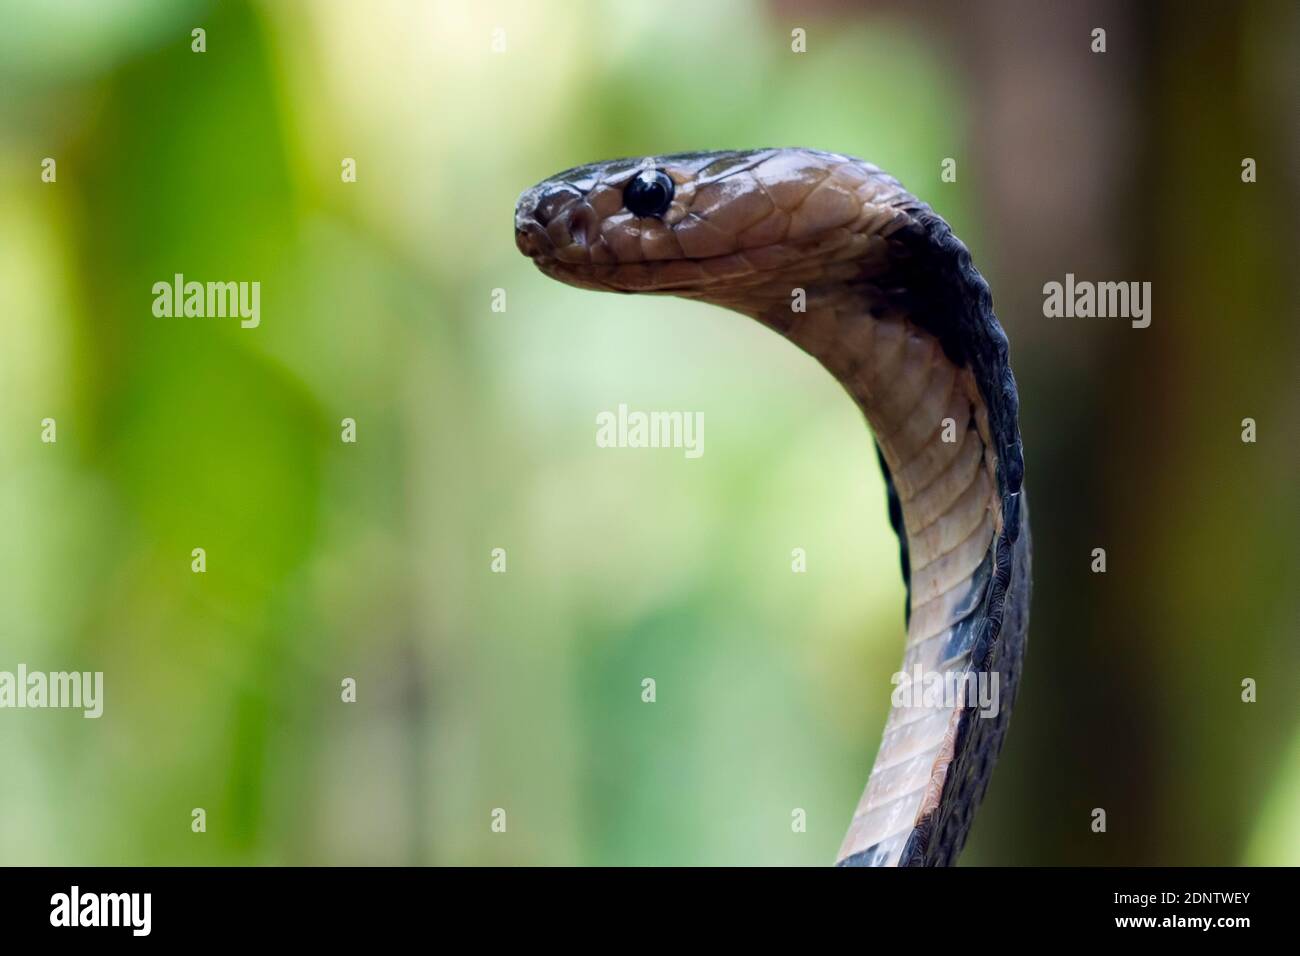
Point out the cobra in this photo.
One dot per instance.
(836, 256)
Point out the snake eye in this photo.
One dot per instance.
(648, 193)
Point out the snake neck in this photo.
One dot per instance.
(932, 430)
(950, 450)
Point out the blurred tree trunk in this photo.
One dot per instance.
(1126, 166)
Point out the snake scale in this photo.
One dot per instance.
(836, 256)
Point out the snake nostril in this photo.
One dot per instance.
(528, 241)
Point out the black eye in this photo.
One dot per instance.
(648, 193)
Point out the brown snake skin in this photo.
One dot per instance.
(836, 256)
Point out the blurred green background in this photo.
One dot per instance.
(476, 431)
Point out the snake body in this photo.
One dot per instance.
(835, 255)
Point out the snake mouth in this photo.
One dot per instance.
(761, 274)
(684, 277)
